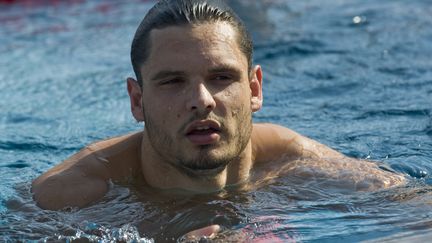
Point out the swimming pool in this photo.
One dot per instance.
(354, 75)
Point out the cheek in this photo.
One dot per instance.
(155, 112)
(236, 97)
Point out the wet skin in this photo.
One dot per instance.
(197, 99)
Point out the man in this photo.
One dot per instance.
(196, 90)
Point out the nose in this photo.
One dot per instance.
(200, 99)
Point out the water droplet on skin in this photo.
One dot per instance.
(234, 113)
(103, 159)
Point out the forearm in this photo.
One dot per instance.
(343, 173)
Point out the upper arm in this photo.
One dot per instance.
(75, 182)
(59, 191)
(312, 160)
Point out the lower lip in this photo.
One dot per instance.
(203, 139)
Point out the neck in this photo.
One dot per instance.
(162, 174)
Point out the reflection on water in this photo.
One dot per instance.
(355, 75)
(280, 210)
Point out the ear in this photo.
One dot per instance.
(135, 95)
(255, 85)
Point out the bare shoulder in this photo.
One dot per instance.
(271, 141)
(289, 153)
(82, 178)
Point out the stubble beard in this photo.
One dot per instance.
(211, 159)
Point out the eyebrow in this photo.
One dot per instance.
(225, 68)
(219, 69)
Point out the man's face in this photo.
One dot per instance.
(197, 96)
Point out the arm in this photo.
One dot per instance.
(311, 160)
(83, 178)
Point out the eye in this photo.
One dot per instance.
(171, 81)
(222, 78)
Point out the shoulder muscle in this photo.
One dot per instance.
(83, 178)
(272, 141)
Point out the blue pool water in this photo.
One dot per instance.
(356, 75)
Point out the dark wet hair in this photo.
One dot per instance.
(182, 12)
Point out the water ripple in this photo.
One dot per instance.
(302, 48)
(406, 72)
(19, 164)
(394, 112)
(26, 146)
(428, 129)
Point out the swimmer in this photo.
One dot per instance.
(195, 90)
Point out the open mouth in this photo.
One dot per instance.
(203, 132)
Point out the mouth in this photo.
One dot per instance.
(203, 132)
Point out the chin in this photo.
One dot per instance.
(204, 166)
(204, 173)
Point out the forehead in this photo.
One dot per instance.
(198, 45)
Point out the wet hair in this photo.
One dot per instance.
(183, 12)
